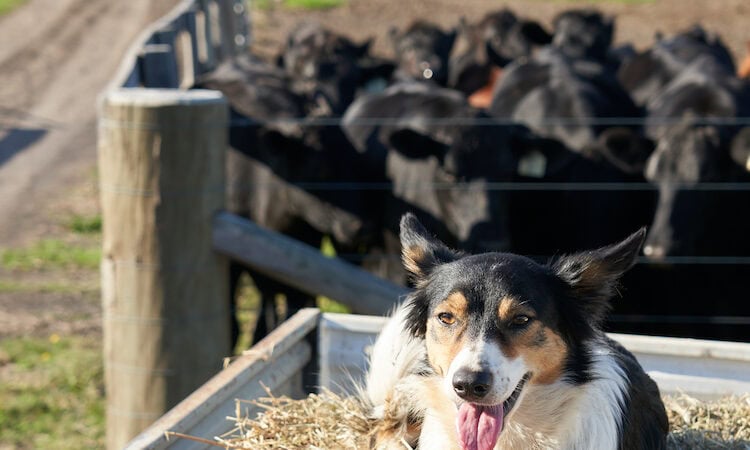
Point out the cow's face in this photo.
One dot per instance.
(422, 52)
(324, 64)
(683, 158)
(583, 34)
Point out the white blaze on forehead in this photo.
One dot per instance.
(487, 355)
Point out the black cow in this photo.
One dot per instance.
(691, 118)
(492, 43)
(422, 51)
(441, 157)
(570, 213)
(583, 33)
(267, 160)
(558, 97)
(330, 67)
(645, 74)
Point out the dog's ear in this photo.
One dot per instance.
(420, 251)
(593, 275)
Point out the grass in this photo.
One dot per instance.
(311, 5)
(51, 253)
(85, 225)
(7, 6)
(51, 393)
(324, 303)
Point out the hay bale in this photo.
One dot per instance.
(320, 421)
(327, 420)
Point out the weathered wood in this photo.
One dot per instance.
(276, 361)
(161, 166)
(303, 267)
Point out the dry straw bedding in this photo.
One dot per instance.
(328, 421)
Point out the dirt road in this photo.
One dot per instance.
(55, 57)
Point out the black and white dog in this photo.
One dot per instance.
(495, 351)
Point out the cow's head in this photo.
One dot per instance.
(422, 52)
(684, 157)
(324, 65)
(583, 34)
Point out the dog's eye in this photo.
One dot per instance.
(520, 321)
(447, 318)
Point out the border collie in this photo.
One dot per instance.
(495, 351)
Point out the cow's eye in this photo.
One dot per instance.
(520, 321)
(446, 318)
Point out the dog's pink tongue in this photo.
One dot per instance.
(479, 426)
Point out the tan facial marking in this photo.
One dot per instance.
(546, 359)
(543, 350)
(444, 342)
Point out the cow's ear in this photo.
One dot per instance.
(536, 34)
(420, 251)
(360, 51)
(740, 150)
(592, 276)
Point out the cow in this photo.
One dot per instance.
(567, 215)
(267, 160)
(583, 34)
(561, 98)
(697, 229)
(442, 158)
(329, 66)
(646, 74)
(422, 50)
(482, 49)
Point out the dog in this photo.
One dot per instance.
(496, 351)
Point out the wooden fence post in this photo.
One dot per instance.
(164, 290)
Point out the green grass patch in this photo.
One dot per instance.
(85, 225)
(7, 6)
(248, 302)
(312, 5)
(50, 253)
(51, 393)
(324, 303)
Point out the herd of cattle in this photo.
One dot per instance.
(504, 135)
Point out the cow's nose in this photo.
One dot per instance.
(471, 385)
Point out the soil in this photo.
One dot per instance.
(57, 55)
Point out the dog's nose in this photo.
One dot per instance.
(471, 385)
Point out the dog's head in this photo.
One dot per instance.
(495, 322)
